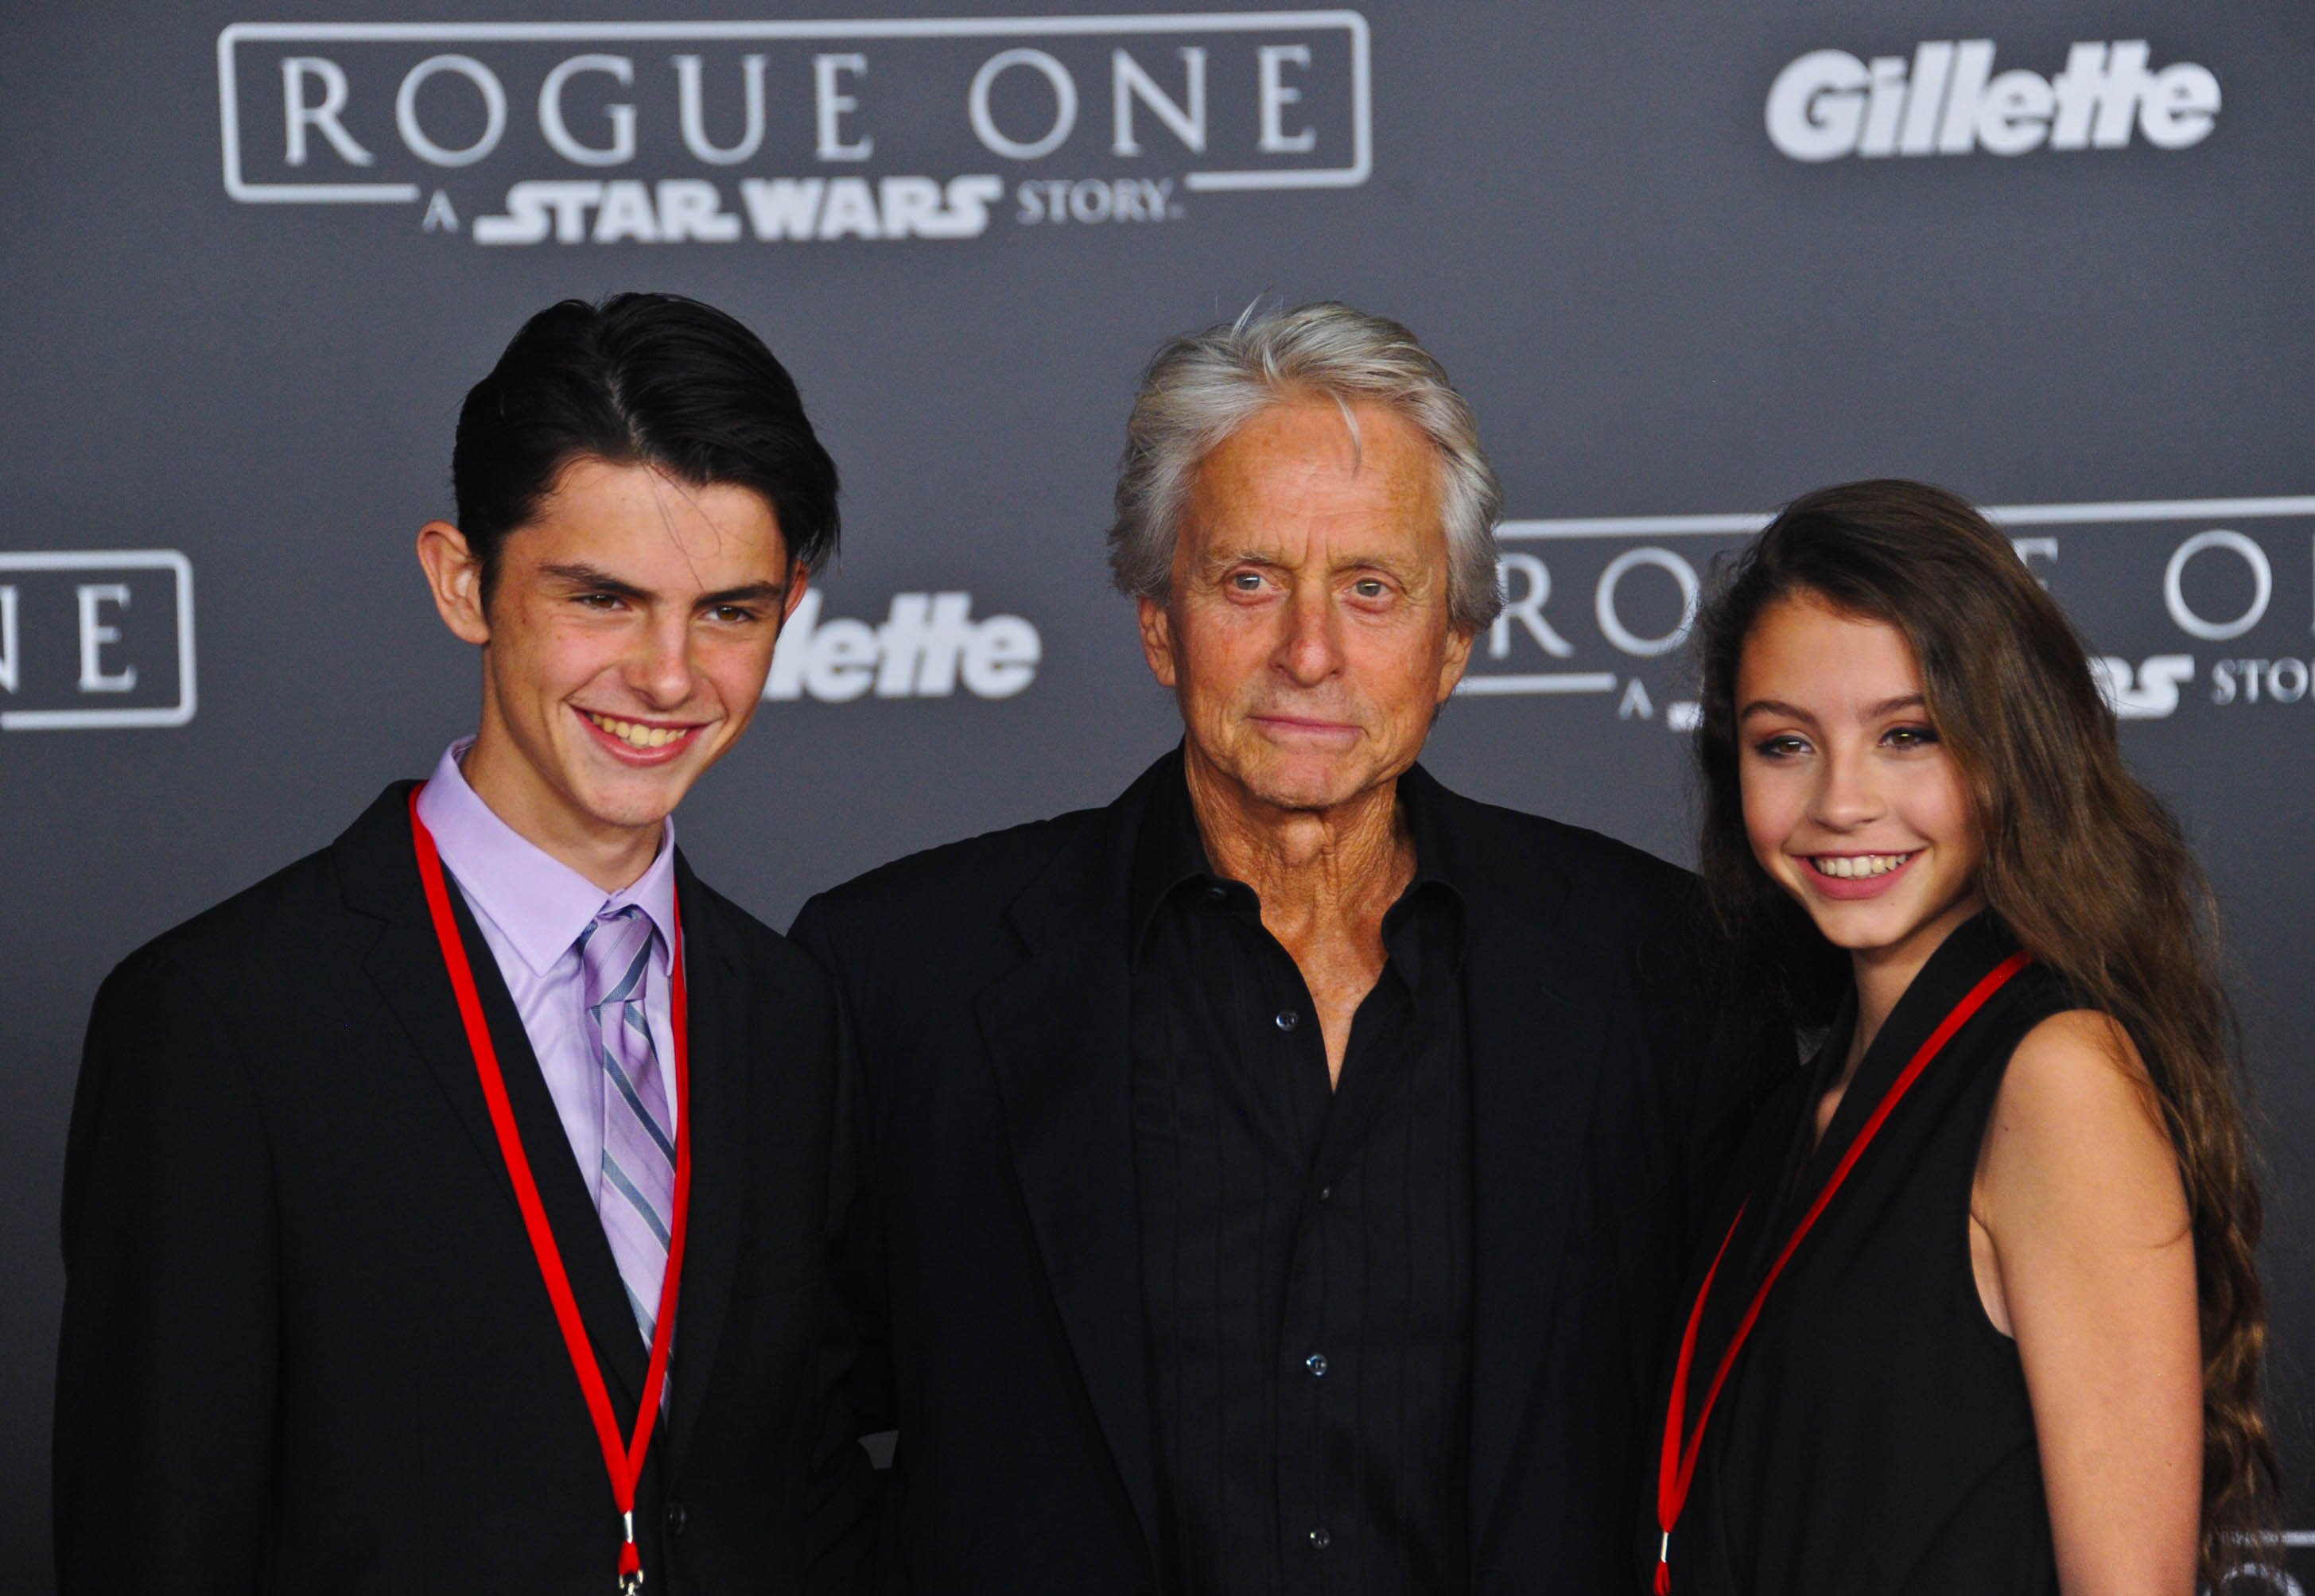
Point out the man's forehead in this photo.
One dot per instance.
(1408, 543)
(1318, 437)
(1288, 528)
(1317, 448)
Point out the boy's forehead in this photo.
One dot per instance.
(638, 524)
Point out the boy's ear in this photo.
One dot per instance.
(455, 577)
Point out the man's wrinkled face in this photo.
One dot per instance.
(1305, 635)
(627, 637)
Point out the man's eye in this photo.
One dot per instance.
(733, 614)
(1367, 588)
(1247, 581)
(599, 600)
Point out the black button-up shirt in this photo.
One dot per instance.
(1306, 1248)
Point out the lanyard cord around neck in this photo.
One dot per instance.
(1676, 1468)
(623, 1458)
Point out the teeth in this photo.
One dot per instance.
(1860, 866)
(633, 735)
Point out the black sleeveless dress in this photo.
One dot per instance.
(1874, 1438)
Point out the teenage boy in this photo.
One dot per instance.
(417, 1191)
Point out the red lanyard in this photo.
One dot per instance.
(1677, 1466)
(624, 1460)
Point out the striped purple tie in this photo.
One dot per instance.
(636, 1191)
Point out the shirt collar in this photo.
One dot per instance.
(1167, 853)
(1434, 892)
(539, 903)
(1435, 861)
(1170, 852)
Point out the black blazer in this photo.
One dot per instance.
(305, 1343)
(988, 984)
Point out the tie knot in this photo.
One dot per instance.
(613, 952)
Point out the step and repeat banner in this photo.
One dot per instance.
(1687, 263)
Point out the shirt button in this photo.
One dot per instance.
(1320, 1539)
(1317, 1364)
(1325, 1193)
(1217, 893)
(1288, 1019)
(676, 1518)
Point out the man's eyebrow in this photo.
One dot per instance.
(1216, 557)
(1389, 563)
(595, 579)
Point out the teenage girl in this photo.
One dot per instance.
(1978, 1312)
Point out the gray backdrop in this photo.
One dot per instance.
(1681, 277)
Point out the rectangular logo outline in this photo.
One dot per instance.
(395, 193)
(2087, 513)
(71, 720)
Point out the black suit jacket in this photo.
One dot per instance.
(305, 1343)
(989, 983)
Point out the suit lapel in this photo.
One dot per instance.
(1535, 1071)
(1056, 1028)
(717, 1117)
(406, 964)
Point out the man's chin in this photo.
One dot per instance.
(1306, 784)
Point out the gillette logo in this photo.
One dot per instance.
(1947, 100)
(927, 646)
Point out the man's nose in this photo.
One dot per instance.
(1311, 649)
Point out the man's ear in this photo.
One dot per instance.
(455, 577)
(799, 579)
(1158, 641)
(1457, 660)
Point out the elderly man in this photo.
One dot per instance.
(1279, 1177)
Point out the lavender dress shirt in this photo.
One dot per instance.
(531, 908)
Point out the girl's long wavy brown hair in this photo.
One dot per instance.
(2085, 867)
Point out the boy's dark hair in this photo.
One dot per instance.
(640, 379)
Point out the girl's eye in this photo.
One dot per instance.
(1910, 736)
(1780, 746)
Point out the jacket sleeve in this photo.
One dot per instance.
(1745, 1056)
(166, 1369)
(847, 1512)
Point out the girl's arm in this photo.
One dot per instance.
(2077, 1194)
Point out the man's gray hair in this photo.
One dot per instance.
(1203, 386)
